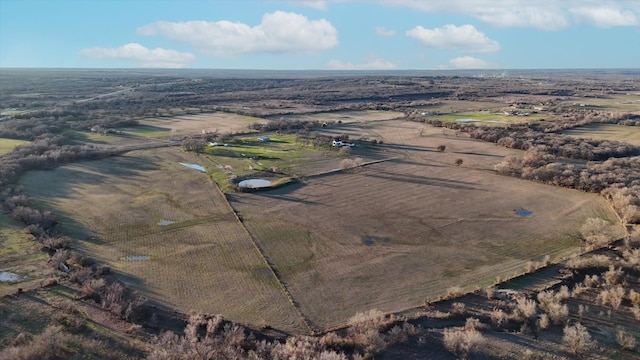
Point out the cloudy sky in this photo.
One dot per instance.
(321, 34)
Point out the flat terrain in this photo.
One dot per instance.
(21, 258)
(393, 234)
(165, 229)
(7, 145)
(386, 236)
(188, 124)
(628, 134)
(628, 102)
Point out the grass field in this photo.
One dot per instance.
(617, 102)
(386, 236)
(628, 134)
(188, 124)
(202, 260)
(20, 255)
(487, 118)
(347, 116)
(7, 145)
(396, 233)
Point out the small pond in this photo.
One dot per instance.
(371, 240)
(165, 222)
(466, 120)
(135, 258)
(254, 183)
(523, 212)
(9, 277)
(194, 166)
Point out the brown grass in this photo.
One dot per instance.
(204, 261)
(387, 235)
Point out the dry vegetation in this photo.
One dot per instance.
(121, 242)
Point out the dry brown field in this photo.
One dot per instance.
(387, 236)
(628, 134)
(203, 261)
(210, 122)
(394, 234)
(347, 116)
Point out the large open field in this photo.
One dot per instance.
(628, 134)
(396, 233)
(628, 102)
(387, 236)
(188, 124)
(167, 230)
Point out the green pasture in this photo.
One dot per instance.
(629, 102)
(247, 155)
(148, 131)
(487, 118)
(628, 134)
(20, 254)
(7, 145)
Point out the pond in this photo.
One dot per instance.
(254, 183)
(371, 240)
(9, 277)
(135, 258)
(165, 222)
(194, 166)
(523, 212)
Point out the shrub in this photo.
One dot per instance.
(591, 281)
(596, 232)
(457, 308)
(441, 148)
(612, 296)
(613, 276)
(634, 297)
(543, 322)
(499, 317)
(458, 162)
(625, 340)
(463, 342)
(584, 262)
(454, 292)
(577, 339)
(525, 309)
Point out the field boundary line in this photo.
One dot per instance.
(335, 171)
(266, 261)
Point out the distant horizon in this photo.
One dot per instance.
(315, 35)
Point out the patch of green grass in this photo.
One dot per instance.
(7, 145)
(148, 131)
(485, 117)
(628, 134)
(247, 155)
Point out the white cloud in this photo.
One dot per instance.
(549, 15)
(462, 38)
(468, 62)
(372, 63)
(156, 58)
(382, 31)
(279, 32)
(315, 4)
(605, 17)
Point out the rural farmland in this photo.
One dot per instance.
(398, 210)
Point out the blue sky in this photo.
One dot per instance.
(321, 34)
